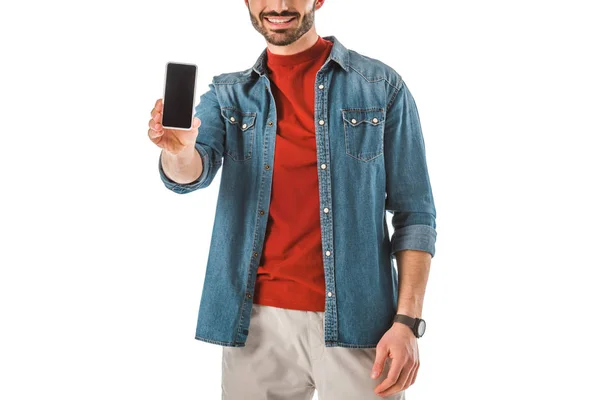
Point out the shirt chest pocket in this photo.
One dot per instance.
(239, 135)
(363, 132)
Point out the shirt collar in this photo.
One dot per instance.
(338, 53)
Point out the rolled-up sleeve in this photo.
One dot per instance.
(209, 144)
(408, 189)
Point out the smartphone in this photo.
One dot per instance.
(178, 95)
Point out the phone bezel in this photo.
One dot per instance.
(165, 92)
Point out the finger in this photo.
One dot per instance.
(156, 113)
(195, 124)
(414, 374)
(392, 376)
(153, 124)
(158, 104)
(157, 116)
(403, 379)
(409, 379)
(152, 134)
(381, 353)
(393, 390)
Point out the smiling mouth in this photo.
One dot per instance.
(280, 21)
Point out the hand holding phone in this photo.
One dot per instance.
(172, 126)
(172, 140)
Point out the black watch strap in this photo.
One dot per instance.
(405, 319)
(412, 323)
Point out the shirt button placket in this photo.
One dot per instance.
(325, 178)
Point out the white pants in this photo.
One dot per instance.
(285, 358)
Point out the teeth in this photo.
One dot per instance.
(279, 21)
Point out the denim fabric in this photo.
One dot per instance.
(370, 158)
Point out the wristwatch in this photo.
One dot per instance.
(417, 325)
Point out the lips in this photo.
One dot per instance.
(280, 22)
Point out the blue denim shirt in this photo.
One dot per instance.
(370, 158)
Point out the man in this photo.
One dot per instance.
(316, 142)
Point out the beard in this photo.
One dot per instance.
(284, 36)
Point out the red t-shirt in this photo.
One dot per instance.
(290, 272)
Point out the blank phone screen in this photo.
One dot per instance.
(179, 95)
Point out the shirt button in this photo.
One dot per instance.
(232, 119)
(326, 210)
(261, 212)
(329, 294)
(374, 120)
(248, 295)
(255, 254)
(323, 166)
(321, 122)
(353, 121)
(328, 253)
(267, 166)
(244, 126)
(270, 123)
(321, 87)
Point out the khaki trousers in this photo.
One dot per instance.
(285, 358)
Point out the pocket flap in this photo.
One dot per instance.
(373, 116)
(245, 120)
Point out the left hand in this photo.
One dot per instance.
(400, 344)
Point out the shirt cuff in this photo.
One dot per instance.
(191, 186)
(414, 237)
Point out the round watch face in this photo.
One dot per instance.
(421, 327)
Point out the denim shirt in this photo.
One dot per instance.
(370, 158)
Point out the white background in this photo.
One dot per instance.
(102, 267)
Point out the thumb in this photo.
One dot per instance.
(195, 123)
(380, 356)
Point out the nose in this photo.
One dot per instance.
(279, 6)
